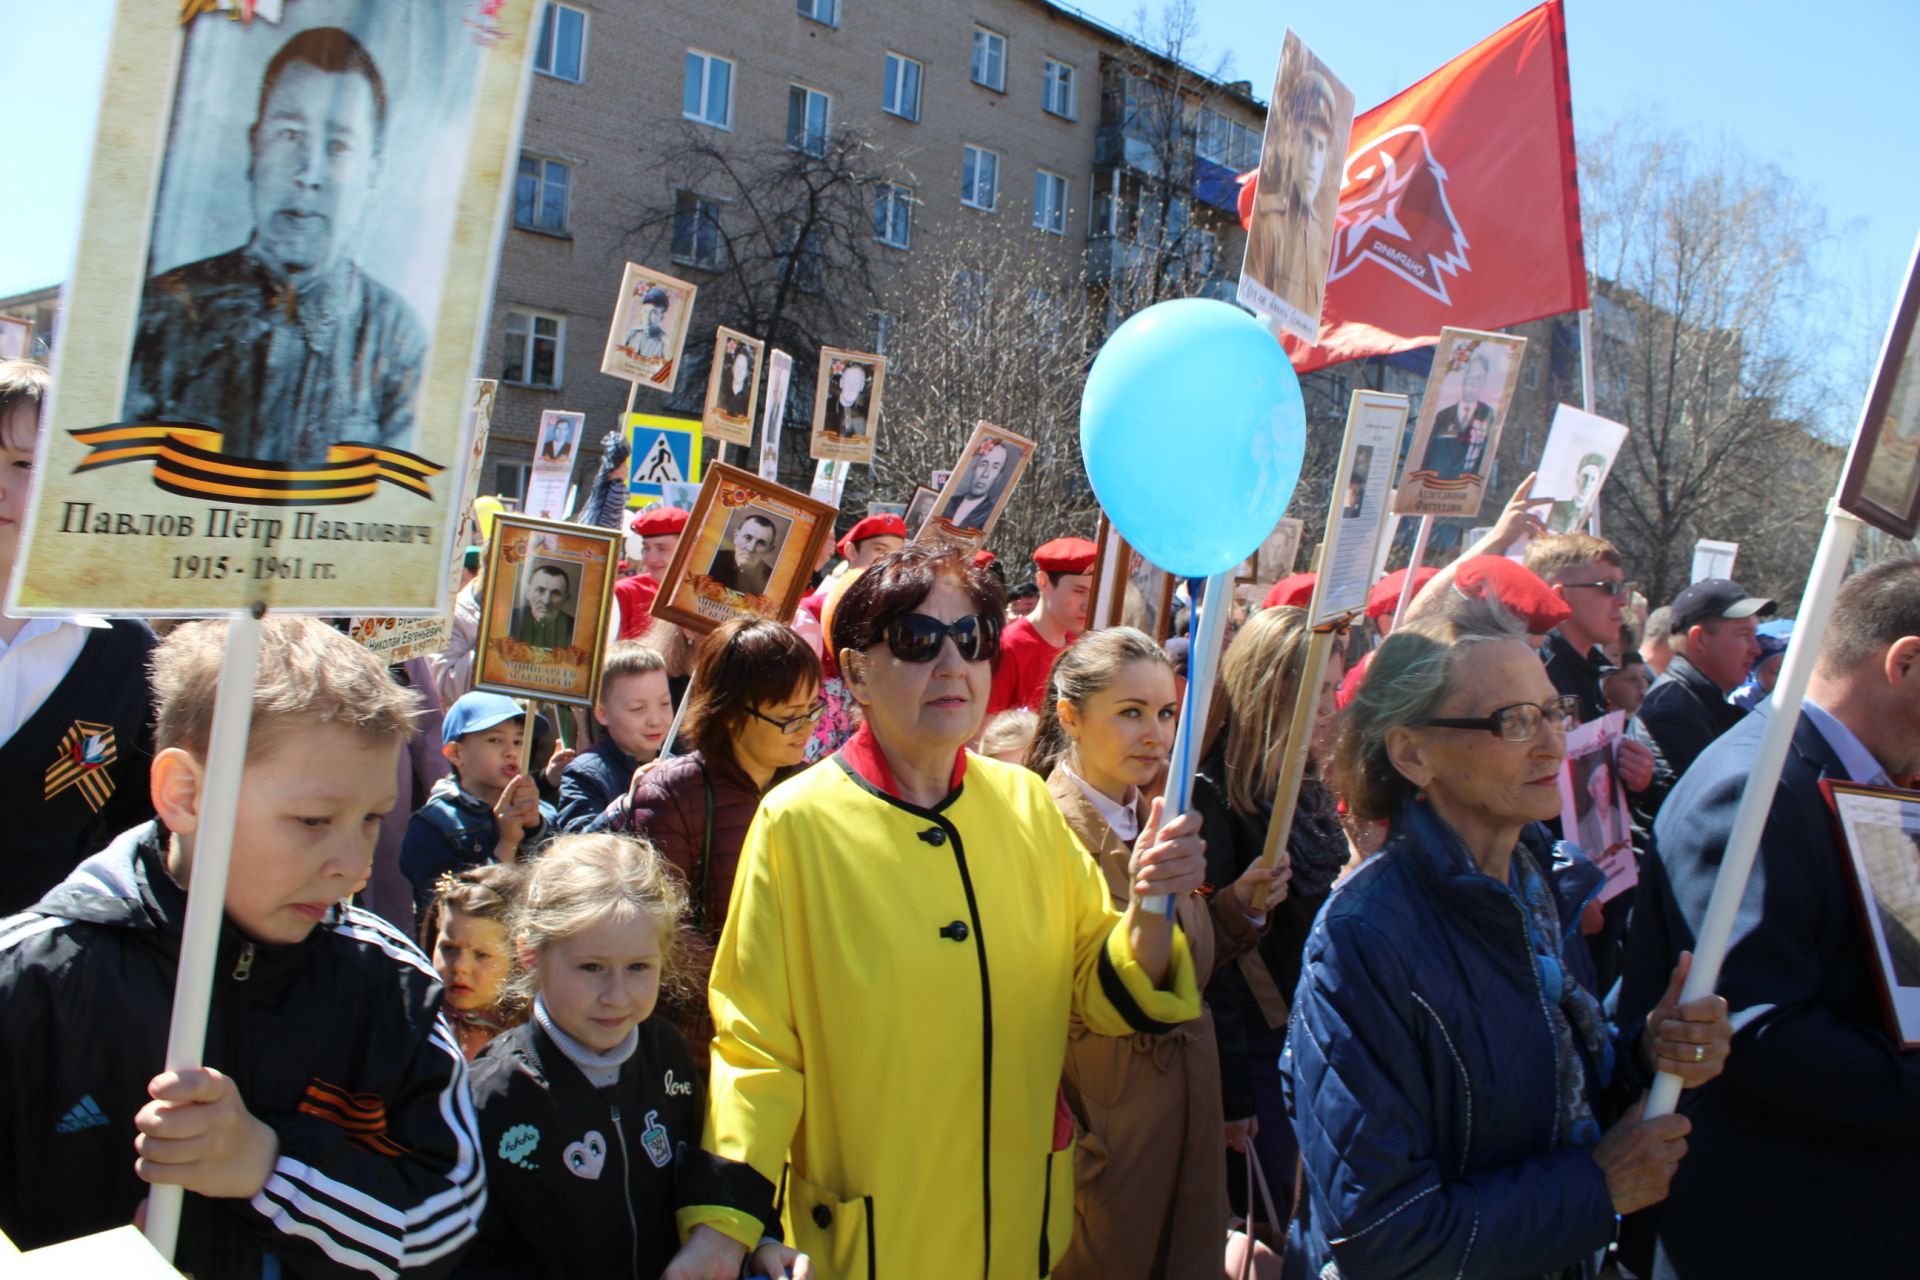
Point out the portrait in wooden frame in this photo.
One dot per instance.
(748, 552)
(544, 609)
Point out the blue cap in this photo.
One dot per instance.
(472, 712)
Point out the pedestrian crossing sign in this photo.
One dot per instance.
(664, 451)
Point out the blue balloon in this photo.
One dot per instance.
(1192, 431)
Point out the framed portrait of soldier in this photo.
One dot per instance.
(733, 387)
(1296, 194)
(649, 329)
(1357, 509)
(1880, 844)
(1593, 802)
(1573, 467)
(846, 405)
(544, 609)
(1465, 406)
(554, 447)
(748, 551)
(979, 485)
(1274, 560)
(270, 331)
(1881, 483)
(920, 506)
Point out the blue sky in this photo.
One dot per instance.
(1818, 93)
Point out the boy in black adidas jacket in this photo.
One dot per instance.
(331, 1132)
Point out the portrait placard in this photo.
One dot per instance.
(662, 451)
(1125, 590)
(829, 481)
(544, 610)
(554, 449)
(1573, 468)
(920, 506)
(220, 438)
(1880, 840)
(887, 509)
(1713, 559)
(1275, 558)
(779, 377)
(978, 487)
(1593, 804)
(395, 640)
(1467, 397)
(846, 405)
(749, 548)
(16, 338)
(1290, 238)
(1881, 483)
(733, 387)
(1357, 513)
(649, 330)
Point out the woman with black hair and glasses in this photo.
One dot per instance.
(911, 930)
(755, 699)
(1450, 1082)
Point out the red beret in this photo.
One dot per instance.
(1065, 555)
(983, 557)
(880, 526)
(1292, 592)
(658, 521)
(1385, 596)
(1525, 594)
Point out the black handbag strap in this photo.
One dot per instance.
(706, 852)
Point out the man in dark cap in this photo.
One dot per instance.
(285, 345)
(1715, 625)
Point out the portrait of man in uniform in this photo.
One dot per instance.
(1458, 444)
(285, 344)
(542, 618)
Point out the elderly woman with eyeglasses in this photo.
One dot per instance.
(1449, 1078)
(911, 929)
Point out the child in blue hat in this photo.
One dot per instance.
(488, 811)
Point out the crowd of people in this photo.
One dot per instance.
(870, 970)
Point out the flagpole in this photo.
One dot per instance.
(1586, 395)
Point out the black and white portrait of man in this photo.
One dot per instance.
(748, 552)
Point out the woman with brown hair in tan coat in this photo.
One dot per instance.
(1150, 1195)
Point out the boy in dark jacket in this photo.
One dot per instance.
(329, 1133)
(488, 810)
(635, 708)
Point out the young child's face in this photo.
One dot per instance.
(310, 810)
(603, 981)
(18, 430)
(489, 759)
(470, 956)
(637, 711)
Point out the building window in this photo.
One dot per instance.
(510, 479)
(1530, 373)
(1226, 142)
(696, 230)
(901, 96)
(808, 111)
(990, 59)
(532, 357)
(827, 11)
(540, 195)
(561, 51)
(1057, 95)
(979, 178)
(708, 94)
(881, 323)
(893, 215)
(1050, 202)
(809, 263)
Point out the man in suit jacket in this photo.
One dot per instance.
(1805, 1155)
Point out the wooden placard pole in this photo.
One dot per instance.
(1413, 565)
(207, 885)
(1756, 802)
(526, 738)
(673, 730)
(1293, 766)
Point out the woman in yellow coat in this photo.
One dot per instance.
(911, 930)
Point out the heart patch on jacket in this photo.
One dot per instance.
(587, 1157)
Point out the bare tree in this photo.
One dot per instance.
(780, 240)
(1705, 265)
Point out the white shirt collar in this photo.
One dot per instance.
(1860, 764)
(1121, 817)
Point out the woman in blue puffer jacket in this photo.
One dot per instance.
(1448, 1074)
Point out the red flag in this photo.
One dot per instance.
(1459, 203)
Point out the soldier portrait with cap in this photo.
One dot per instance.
(1290, 236)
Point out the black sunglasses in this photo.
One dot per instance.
(1520, 721)
(791, 723)
(917, 637)
(1605, 588)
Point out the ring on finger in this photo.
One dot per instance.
(1699, 1053)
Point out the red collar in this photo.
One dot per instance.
(863, 755)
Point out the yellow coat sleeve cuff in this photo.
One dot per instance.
(743, 1228)
(1141, 1004)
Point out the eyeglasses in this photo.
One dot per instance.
(917, 637)
(1520, 721)
(811, 717)
(1605, 588)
